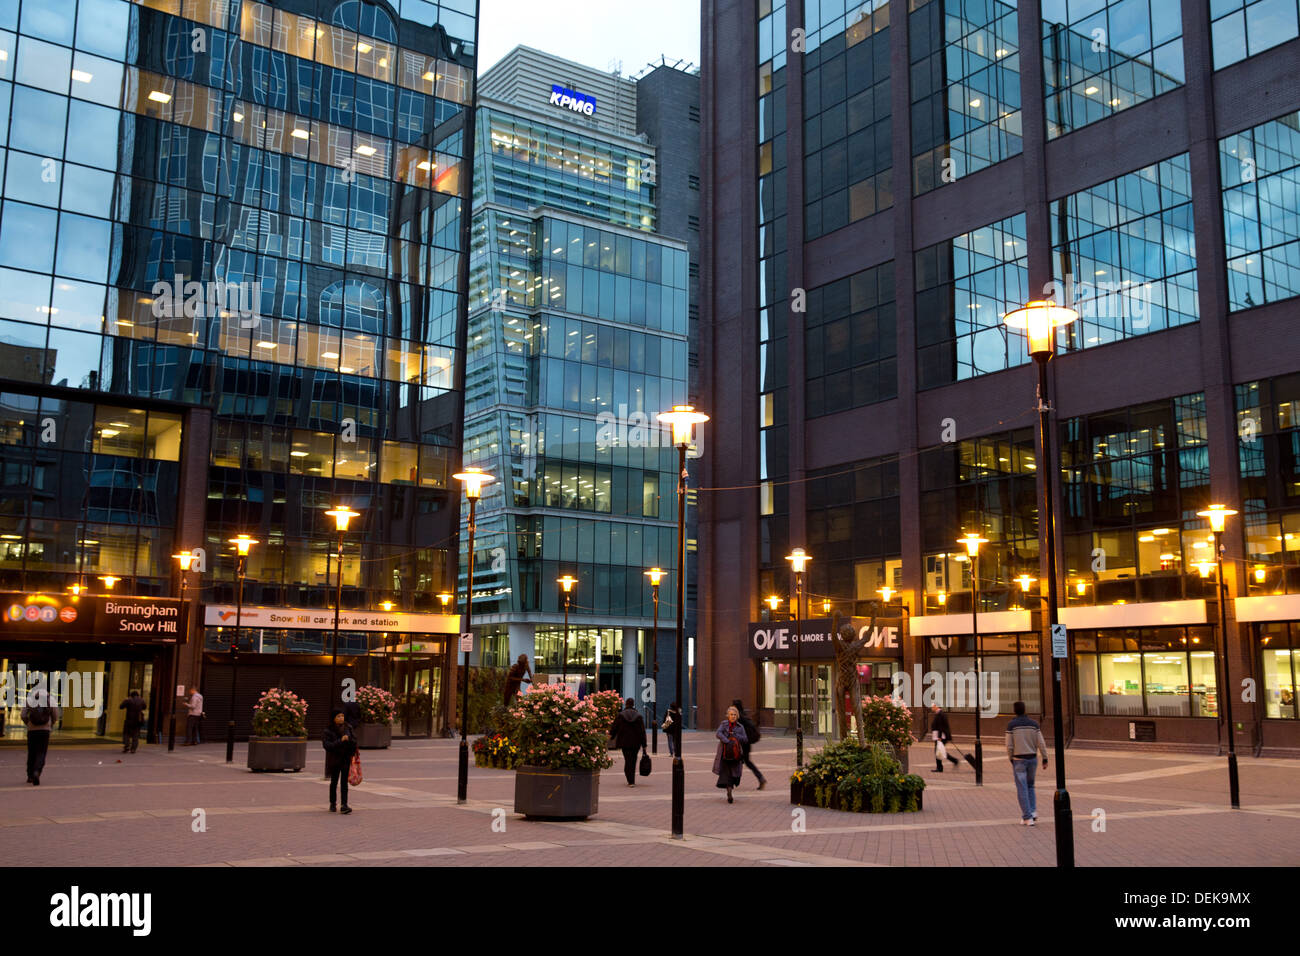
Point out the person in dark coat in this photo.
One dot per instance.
(134, 705)
(751, 737)
(672, 728)
(39, 718)
(940, 733)
(518, 675)
(728, 771)
(628, 732)
(340, 745)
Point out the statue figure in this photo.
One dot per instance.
(848, 695)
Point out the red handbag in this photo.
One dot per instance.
(354, 772)
(731, 749)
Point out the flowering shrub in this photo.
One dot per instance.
(280, 713)
(608, 703)
(550, 727)
(887, 720)
(495, 750)
(861, 778)
(377, 705)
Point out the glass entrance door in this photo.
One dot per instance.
(416, 682)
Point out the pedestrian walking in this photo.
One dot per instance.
(39, 718)
(1024, 743)
(194, 720)
(340, 746)
(516, 677)
(628, 733)
(134, 705)
(752, 736)
(941, 734)
(672, 728)
(731, 752)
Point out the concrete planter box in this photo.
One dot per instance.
(277, 753)
(374, 736)
(543, 793)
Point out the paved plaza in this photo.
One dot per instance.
(99, 807)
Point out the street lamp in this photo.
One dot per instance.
(1040, 320)
(826, 606)
(798, 559)
(341, 514)
(109, 580)
(774, 603)
(473, 479)
(566, 584)
(243, 544)
(972, 541)
(186, 561)
(1218, 515)
(683, 419)
(655, 575)
(886, 593)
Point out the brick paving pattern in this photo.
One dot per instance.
(96, 806)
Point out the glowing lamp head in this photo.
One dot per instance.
(943, 598)
(567, 582)
(1040, 319)
(826, 607)
(798, 559)
(474, 479)
(886, 593)
(655, 575)
(683, 419)
(342, 514)
(75, 590)
(243, 544)
(445, 598)
(1217, 516)
(1081, 587)
(972, 541)
(386, 605)
(1204, 567)
(1260, 573)
(109, 580)
(186, 559)
(774, 602)
(1025, 581)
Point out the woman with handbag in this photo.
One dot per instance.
(340, 747)
(942, 736)
(730, 757)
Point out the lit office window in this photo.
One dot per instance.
(1102, 57)
(965, 89)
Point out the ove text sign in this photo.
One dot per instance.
(777, 640)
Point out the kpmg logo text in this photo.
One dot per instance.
(569, 99)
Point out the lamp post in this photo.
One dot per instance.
(566, 584)
(683, 419)
(243, 544)
(655, 575)
(474, 479)
(444, 599)
(1040, 320)
(1218, 515)
(798, 559)
(341, 514)
(972, 541)
(186, 560)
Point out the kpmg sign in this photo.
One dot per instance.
(572, 100)
(777, 640)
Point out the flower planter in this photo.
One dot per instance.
(805, 796)
(374, 736)
(543, 793)
(277, 753)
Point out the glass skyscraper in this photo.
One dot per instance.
(231, 296)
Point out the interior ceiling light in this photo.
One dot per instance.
(159, 97)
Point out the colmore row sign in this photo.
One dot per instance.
(777, 640)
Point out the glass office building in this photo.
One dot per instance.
(578, 337)
(231, 296)
(867, 232)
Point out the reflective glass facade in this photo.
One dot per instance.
(1268, 426)
(965, 88)
(236, 207)
(1124, 255)
(578, 338)
(1260, 170)
(851, 342)
(963, 287)
(1242, 28)
(1103, 56)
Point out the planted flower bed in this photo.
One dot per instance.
(495, 751)
(847, 776)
